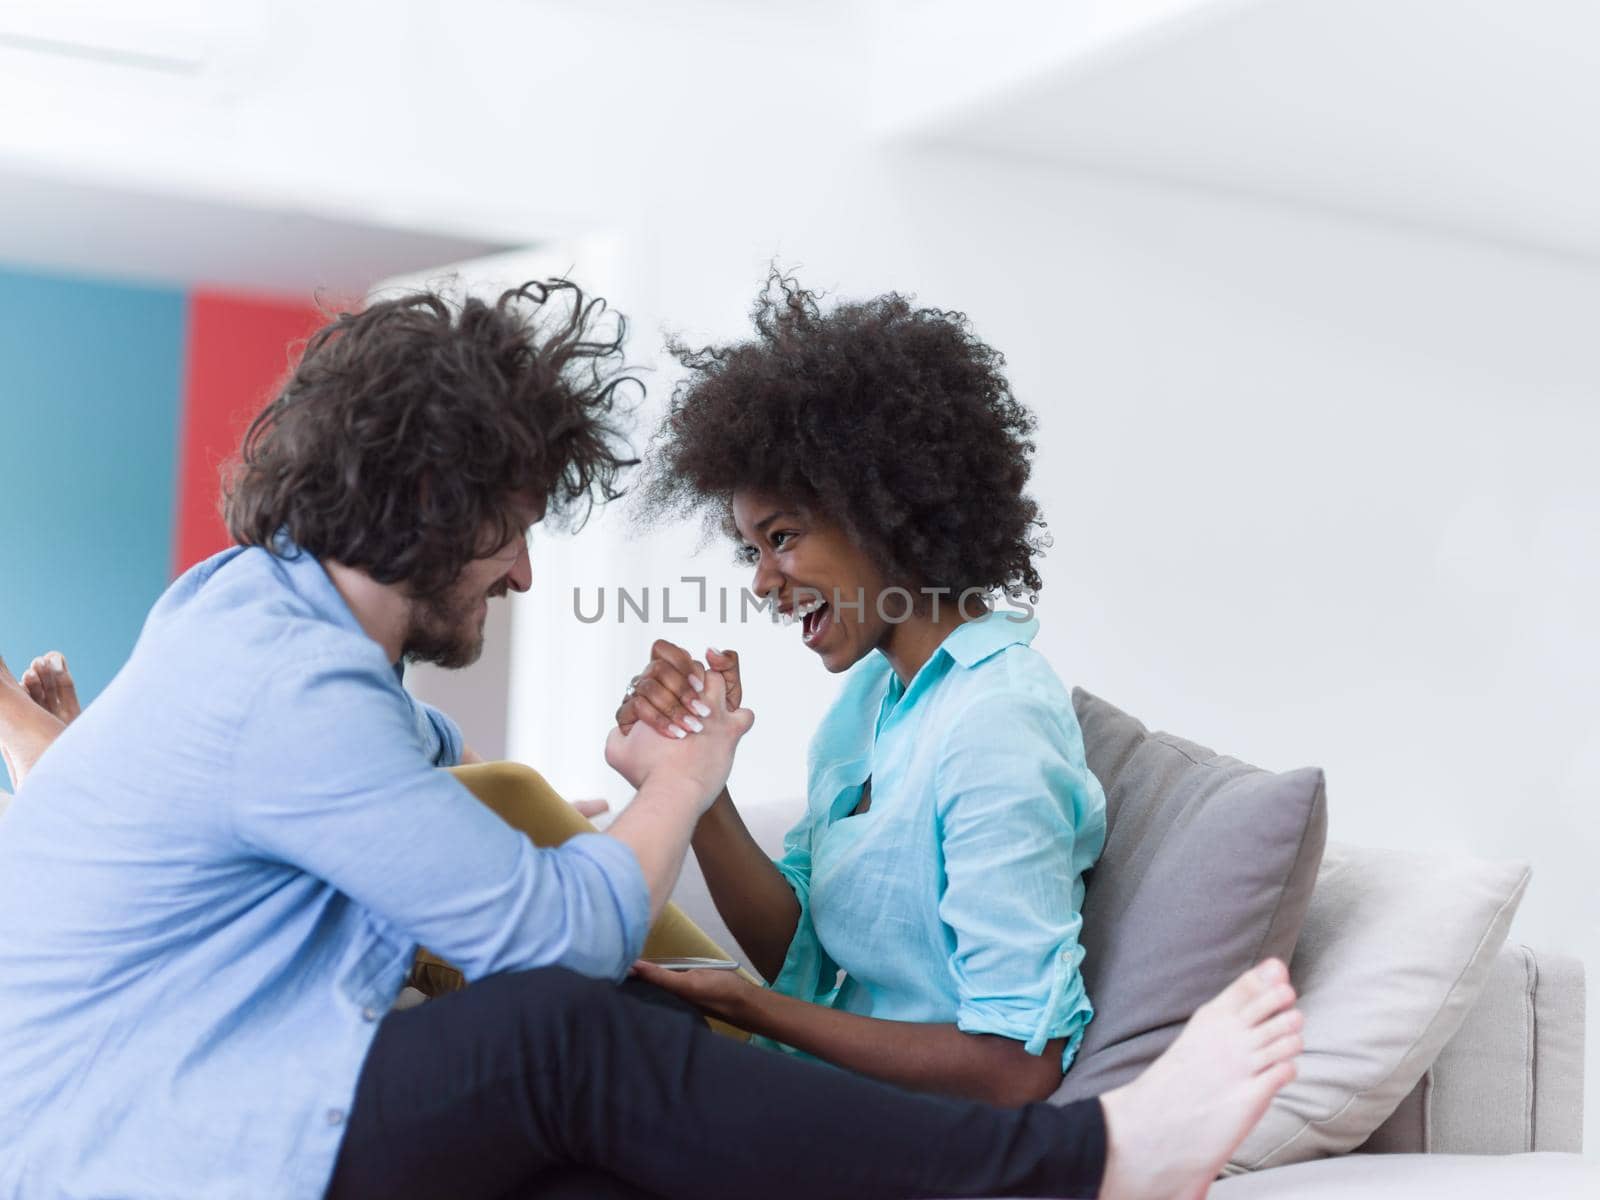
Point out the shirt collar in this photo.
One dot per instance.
(312, 581)
(973, 641)
(967, 645)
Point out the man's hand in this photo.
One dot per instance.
(670, 692)
(700, 760)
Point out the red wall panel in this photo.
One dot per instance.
(239, 349)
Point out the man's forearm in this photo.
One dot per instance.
(656, 826)
(751, 894)
(924, 1057)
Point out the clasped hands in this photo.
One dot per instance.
(669, 694)
(679, 710)
(683, 718)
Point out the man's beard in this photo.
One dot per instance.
(445, 631)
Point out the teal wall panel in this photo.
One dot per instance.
(90, 379)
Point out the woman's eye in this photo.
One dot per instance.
(746, 555)
(779, 540)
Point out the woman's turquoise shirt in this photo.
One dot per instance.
(956, 897)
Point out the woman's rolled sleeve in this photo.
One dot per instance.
(1020, 821)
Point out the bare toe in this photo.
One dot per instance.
(1279, 1077)
(66, 704)
(1281, 1050)
(1249, 986)
(40, 683)
(1276, 1027)
(1274, 999)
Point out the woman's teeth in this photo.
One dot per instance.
(815, 624)
(812, 617)
(801, 611)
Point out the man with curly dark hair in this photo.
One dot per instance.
(209, 881)
(214, 881)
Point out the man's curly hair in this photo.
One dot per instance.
(399, 441)
(892, 420)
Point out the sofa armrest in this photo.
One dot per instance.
(1511, 1080)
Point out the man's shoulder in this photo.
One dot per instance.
(249, 618)
(251, 588)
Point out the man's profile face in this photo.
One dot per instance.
(447, 630)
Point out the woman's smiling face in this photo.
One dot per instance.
(812, 567)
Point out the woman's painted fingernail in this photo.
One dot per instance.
(703, 709)
(679, 733)
(694, 725)
(697, 683)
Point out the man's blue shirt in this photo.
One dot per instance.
(213, 885)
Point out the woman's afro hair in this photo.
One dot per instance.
(892, 420)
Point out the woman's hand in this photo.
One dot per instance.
(49, 683)
(726, 995)
(27, 727)
(701, 760)
(670, 692)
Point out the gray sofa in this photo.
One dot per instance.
(1511, 1080)
(1499, 1112)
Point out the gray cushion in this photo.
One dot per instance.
(1208, 868)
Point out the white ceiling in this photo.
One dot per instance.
(89, 227)
(285, 144)
(1475, 116)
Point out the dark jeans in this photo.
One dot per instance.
(544, 1083)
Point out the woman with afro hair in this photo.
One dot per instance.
(922, 924)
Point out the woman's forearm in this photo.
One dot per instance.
(751, 894)
(923, 1057)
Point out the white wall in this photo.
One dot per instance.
(1321, 491)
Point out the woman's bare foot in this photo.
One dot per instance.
(50, 684)
(1170, 1131)
(26, 728)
